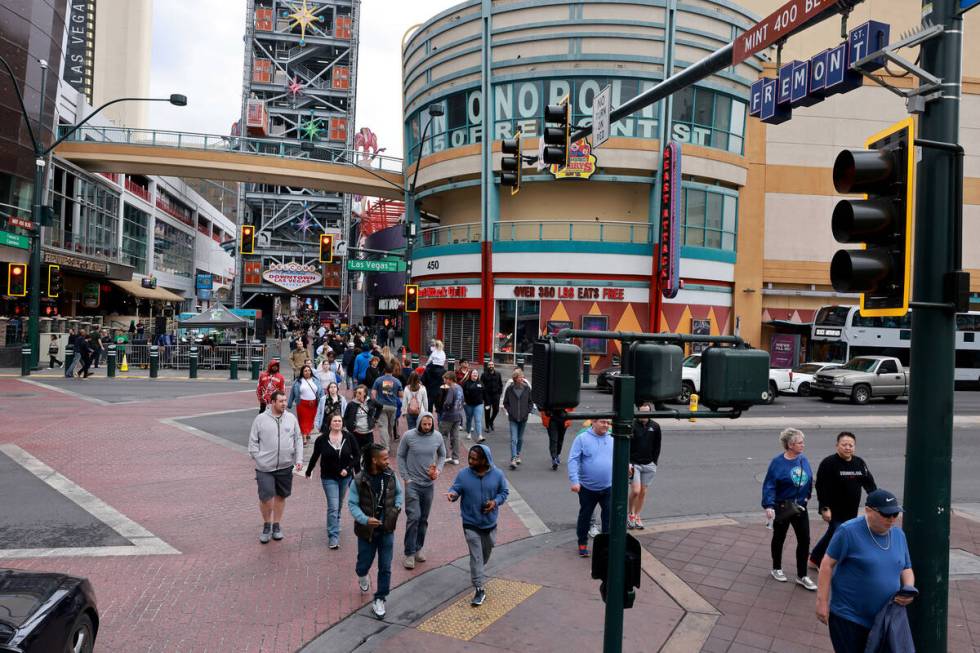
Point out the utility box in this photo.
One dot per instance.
(657, 369)
(555, 375)
(734, 378)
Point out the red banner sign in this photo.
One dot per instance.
(777, 26)
(441, 292)
(668, 249)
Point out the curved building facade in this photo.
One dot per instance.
(497, 270)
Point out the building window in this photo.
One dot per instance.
(517, 329)
(701, 116)
(173, 250)
(86, 219)
(710, 218)
(135, 237)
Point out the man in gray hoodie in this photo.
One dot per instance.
(421, 456)
(276, 446)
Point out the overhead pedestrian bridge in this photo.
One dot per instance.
(233, 158)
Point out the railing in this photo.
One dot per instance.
(137, 190)
(452, 234)
(576, 230)
(218, 143)
(177, 356)
(519, 230)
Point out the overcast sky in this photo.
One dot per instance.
(198, 50)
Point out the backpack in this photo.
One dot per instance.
(414, 407)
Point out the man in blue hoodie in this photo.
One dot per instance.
(362, 362)
(481, 487)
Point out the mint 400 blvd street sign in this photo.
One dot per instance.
(382, 265)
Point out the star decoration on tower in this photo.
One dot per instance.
(294, 87)
(305, 223)
(303, 18)
(311, 129)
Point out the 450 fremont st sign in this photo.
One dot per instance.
(805, 83)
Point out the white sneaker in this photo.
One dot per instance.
(409, 562)
(593, 530)
(807, 583)
(378, 607)
(419, 556)
(455, 461)
(779, 575)
(364, 583)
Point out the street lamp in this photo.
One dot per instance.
(40, 154)
(434, 111)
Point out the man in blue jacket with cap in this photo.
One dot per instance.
(480, 488)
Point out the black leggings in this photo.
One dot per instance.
(490, 411)
(556, 436)
(801, 527)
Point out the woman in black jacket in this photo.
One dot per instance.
(359, 417)
(473, 406)
(339, 457)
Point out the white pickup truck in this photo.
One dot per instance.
(779, 380)
(863, 378)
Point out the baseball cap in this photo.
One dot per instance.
(884, 502)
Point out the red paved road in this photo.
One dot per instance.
(225, 591)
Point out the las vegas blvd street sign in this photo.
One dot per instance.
(382, 265)
(777, 26)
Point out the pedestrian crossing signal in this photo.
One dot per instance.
(16, 279)
(411, 298)
(246, 240)
(326, 248)
(54, 281)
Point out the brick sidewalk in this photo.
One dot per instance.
(729, 566)
(224, 591)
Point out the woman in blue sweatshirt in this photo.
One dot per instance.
(481, 488)
(789, 480)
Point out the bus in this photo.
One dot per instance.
(839, 333)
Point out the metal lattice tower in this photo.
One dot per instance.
(298, 90)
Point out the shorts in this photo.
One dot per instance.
(278, 483)
(643, 474)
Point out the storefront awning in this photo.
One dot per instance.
(136, 290)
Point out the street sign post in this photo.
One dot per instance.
(601, 107)
(379, 265)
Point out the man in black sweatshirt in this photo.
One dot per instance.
(840, 478)
(644, 456)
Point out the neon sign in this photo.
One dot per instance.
(668, 249)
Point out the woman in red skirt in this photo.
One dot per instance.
(305, 395)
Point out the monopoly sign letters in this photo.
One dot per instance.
(805, 83)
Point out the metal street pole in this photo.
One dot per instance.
(34, 292)
(624, 394)
(929, 444)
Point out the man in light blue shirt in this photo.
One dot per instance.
(590, 475)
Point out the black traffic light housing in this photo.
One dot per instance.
(555, 375)
(326, 248)
(881, 272)
(54, 281)
(246, 239)
(511, 163)
(632, 561)
(657, 369)
(557, 132)
(17, 279)
(734, 377)
(411, 298)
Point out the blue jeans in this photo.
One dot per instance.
(70, 369)
(412, 420)
(334, 489)
(474, 419)
(516, 437)
(587, 501)
(847, 636)
(382, 544)
(418, 502)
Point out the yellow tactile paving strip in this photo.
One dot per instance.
(462, 621)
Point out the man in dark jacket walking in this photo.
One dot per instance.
(482, 488)
(517, 403)
(493, 388)
(375, 500)
(840, 478)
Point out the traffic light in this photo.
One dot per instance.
(881, 272)
(326, 248)
(16, 279)
(54, 281)
(657, 368)
(632, 566)
(246, 239)
(411, 298)
(511, 163)
(557, 133)
(555, 375)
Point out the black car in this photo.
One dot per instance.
(46, 612)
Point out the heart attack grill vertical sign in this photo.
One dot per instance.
(668, 248)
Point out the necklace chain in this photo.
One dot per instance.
(875, 539)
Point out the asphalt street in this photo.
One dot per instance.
(704, 472)
(126, 390)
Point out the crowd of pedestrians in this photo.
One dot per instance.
(348, 403)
